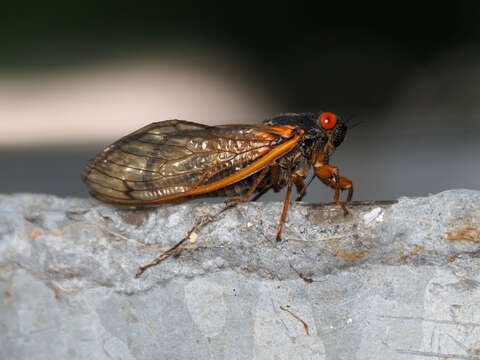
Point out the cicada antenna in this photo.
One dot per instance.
(348, 120)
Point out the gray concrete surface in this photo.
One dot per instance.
(390, 281)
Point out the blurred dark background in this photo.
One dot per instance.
(76, 76)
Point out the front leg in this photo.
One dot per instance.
(328, 174)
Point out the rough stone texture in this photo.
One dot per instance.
(390, 281)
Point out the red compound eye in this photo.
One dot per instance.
(328, 120)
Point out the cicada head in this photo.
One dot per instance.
(333, 127)
(324, 131)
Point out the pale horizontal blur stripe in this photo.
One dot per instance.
(101, 104)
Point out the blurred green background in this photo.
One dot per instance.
(74, 76)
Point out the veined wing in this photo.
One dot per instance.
(168, 160)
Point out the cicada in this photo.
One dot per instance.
(176, 160)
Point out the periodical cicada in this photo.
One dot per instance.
(176, 160)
